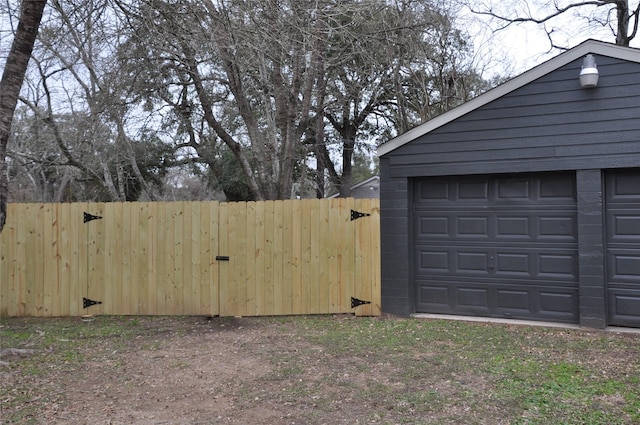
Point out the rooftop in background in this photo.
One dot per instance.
(369, 188)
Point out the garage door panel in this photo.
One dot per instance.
(434, 262)
(513, 300)
(559, 265)
(551, 189)
(558, 188)
(553, 302)
(623, 266)
(435, 298)
(513, 227)
(623, 247)
(433, 226)
(502, 226)
(501, 247)
(512, 189)
(623, 187)
(473, 227)
(472, 190)
(623, 225)
(624, 306)
(491, 262)
(476, 298)
(521, 302)
(557, 227)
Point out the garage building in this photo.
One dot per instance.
(524, 202)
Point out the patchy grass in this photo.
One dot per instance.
(316, 370)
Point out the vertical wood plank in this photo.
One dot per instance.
(48, 291)
(316, 264)
(296, 257)
(28, 241)
(187, 250)
(112, 300)
(285, 264)
(5, 255)
(96, 259)
(67, 247)
(226, 297)
(335, 246)
(374, 253)
(367, 265)
(214, 270)
(170, 258)
(238, 251)
(253, 296)
(141, 265)
(61, 233)
(161, 256)
(281, 297)
(268, 244)
(151, 276)
(45, 216)
(17, 300)
(259, 256)
(78, 255)
(14, 257)
(203, 279)
(326, 257)
(178, 250)
(349, 253)
(194, 266)
(361, 227)
(139, 247)
(126, 244)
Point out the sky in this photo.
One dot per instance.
(520, 47)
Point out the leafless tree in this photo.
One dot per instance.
(78, 116)
(279, 81)
(250, 94)
(621, 17)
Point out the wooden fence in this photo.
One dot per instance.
(191, 258)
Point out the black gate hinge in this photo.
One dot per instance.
(89, 217)
(86, 302)
(357, 214)
(356, 302)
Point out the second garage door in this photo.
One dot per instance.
(497, 246)
(623, 243)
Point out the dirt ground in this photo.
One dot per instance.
(200, 371)
(195, 371)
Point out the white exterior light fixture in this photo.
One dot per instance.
(589, 72)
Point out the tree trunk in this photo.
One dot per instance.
(622, 36)
(11, 83)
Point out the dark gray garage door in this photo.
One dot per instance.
(623, 247)
(497, 246)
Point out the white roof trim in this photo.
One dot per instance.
(589, 46)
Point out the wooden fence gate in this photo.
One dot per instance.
(191, 258)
